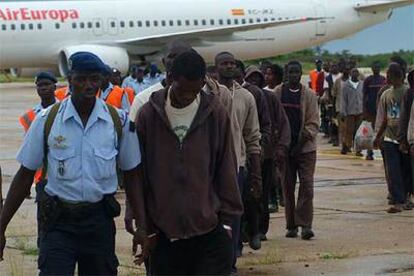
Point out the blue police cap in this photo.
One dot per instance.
(45, 76)
(86, 62)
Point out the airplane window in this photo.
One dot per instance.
(139, 23)
(22, 27)
(155, 23)
(243, 21)
(273, 19)
(89, 25)
(3, 27)
(131, 24)
(228, 21)
(251, 21)
(171, 23)
(212, 22)
(178, 22)
(122, 24)
(30, 26)
(82, 25)
(57, 26)
(74, 25)
(280, 18)
(147, 23)
(203, 22)
(187, 22)
(39, 26)
(112, 24)
(196, 22)
(163, 23)
(97, 25)
(13, 27)
(265, 20)
(258, 20)
(221, 21)
(236, 21)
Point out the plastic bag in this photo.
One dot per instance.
(364, 137)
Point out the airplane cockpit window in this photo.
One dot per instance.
(178, 22)
(74, 25)
(89, 25)
(12, 27)
(203, 22)
(187, 22)
(4, 27)
(57, 26)
(139, 23)
(196, 22)
(22, 27)
(147, 23)
(122, 24)
(155, 23)
(82, 25)
(39, 26)
(131, 24)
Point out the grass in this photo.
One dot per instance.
(334, 256)
(270, 258)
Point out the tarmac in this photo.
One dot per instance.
(354, 234)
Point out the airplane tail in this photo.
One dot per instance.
(379, 6)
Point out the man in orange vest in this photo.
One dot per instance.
(113, 94)
(45, 86)
(116, 79)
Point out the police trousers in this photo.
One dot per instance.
(86, 240)
(300, 213)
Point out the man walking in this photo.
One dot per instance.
(301, 107)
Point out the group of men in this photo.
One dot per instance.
(200, 152)
(347, 98)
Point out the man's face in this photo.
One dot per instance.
(85, 84)
(255, 79)
(354, 74)
(226, 66)
(376, 69)
(319, 65)
(171, 54)
(294, 74)
(327, 67)
(116, 78)
(45, 88)
(188, 89)
(269, 76)
(140, 75)
(134, 73)
(334, 69)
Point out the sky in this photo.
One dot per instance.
(392, 35)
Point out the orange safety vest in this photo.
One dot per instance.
(313, 75)
(61, 93)
(115, 97)
(26, 120)
(130, 93)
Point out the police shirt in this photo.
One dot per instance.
(81, 160)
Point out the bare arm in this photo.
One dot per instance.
(19, 189)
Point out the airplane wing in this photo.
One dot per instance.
(213, 33)
(377, 6)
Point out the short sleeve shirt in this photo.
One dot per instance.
(81, 160)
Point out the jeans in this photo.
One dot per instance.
(241, 180)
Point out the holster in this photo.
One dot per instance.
(112, 206)
(49, 210)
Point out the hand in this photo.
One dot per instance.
(229, 233)
(404, 147)
(377, 143)
(148, 246)
(2, 245)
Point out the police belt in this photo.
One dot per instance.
(80, 210)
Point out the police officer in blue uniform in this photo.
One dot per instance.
(82, 149)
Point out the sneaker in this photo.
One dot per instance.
(307, 234)
(292, 233)
(255, 242)
(395, 209)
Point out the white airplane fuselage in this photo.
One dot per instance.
(36, 33)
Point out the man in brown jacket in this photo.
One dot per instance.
(301, 107)
(246, 137)
(189, 192)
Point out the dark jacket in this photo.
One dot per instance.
(280, 137)
(406, 104)
(188, 187)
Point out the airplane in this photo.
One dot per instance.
(43, 34)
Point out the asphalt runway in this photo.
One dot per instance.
(354, 234)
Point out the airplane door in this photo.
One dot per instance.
(321, 25)
(112, 26)
(98, 27)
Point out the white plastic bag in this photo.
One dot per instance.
(364, 137)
